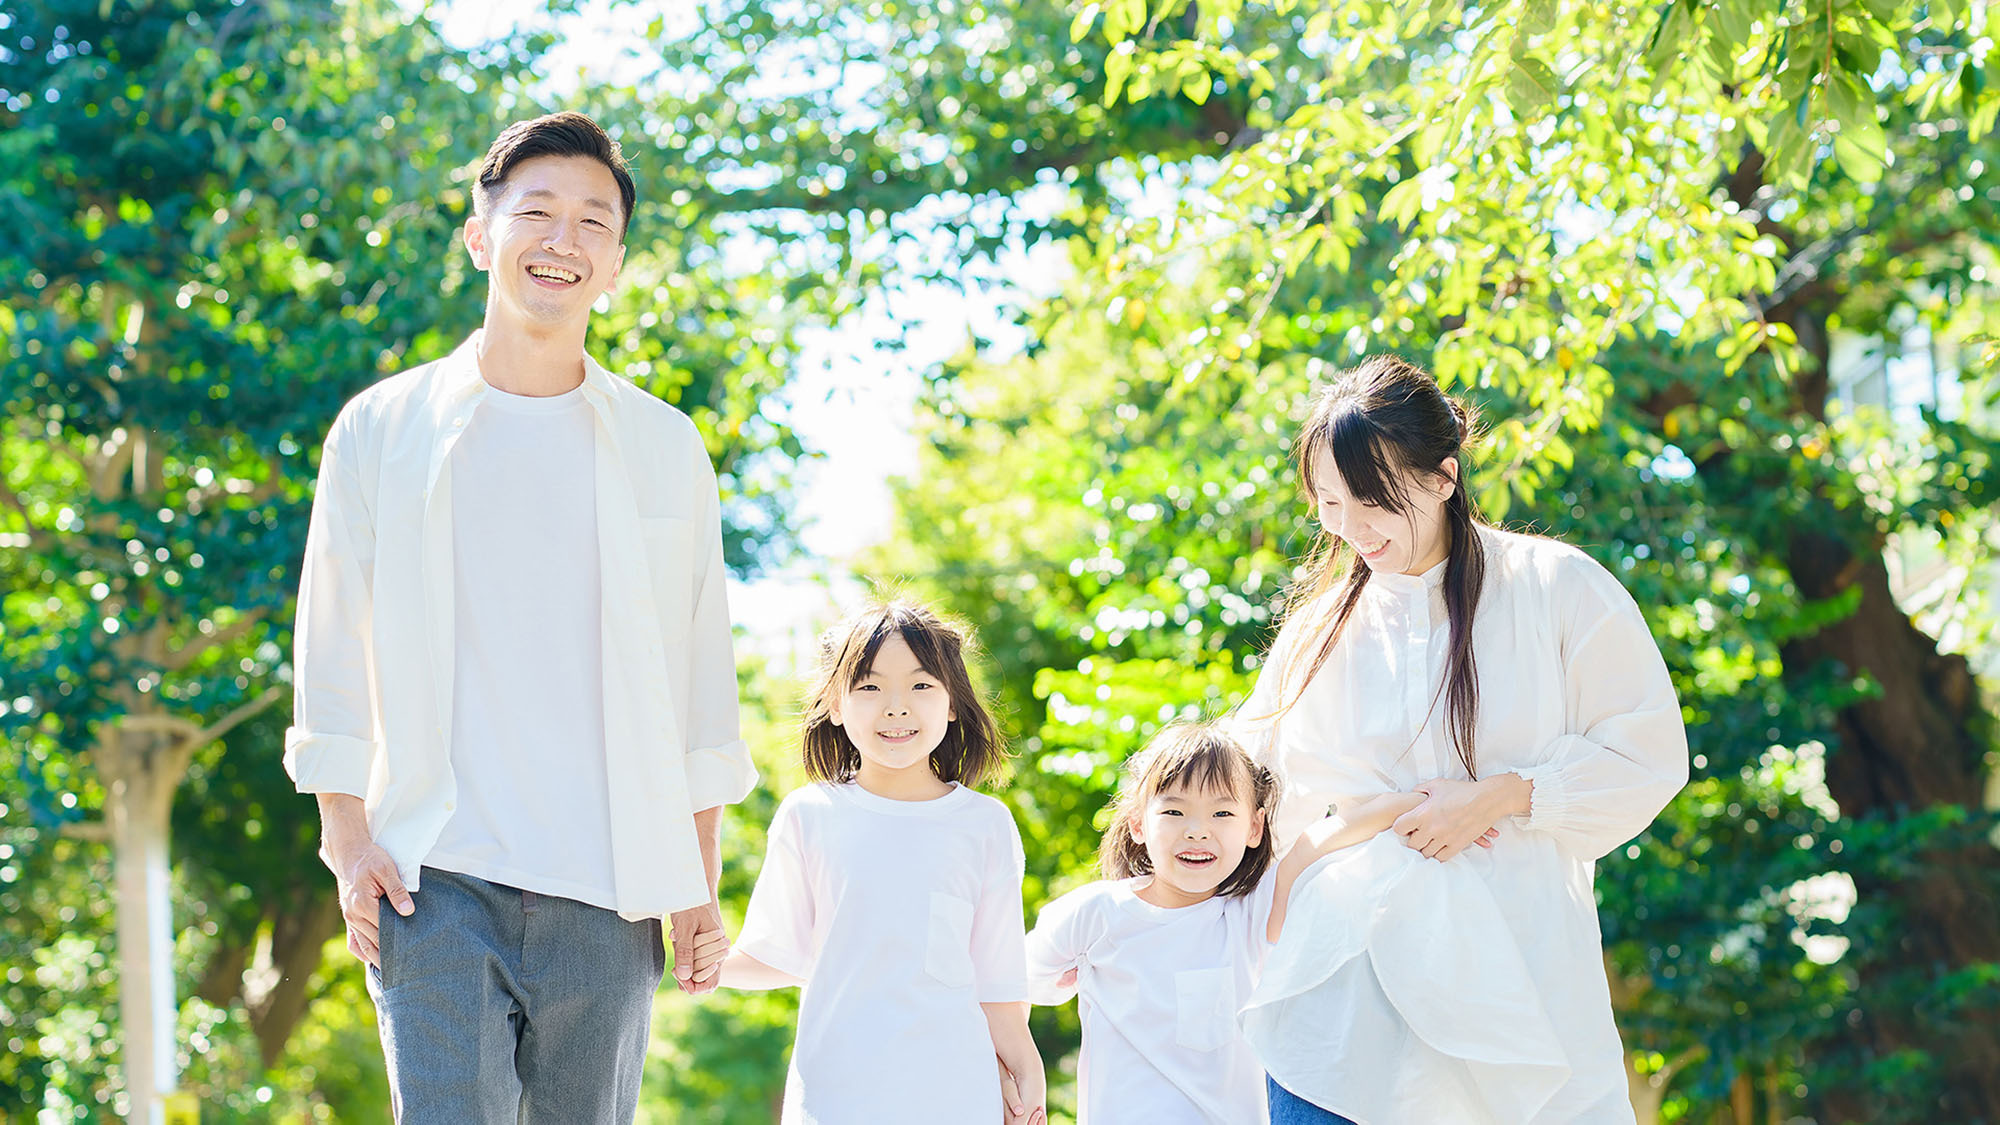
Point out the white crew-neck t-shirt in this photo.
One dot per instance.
(527, 732)
(1158, 991)
(901, 917)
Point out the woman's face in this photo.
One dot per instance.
(1408, 542)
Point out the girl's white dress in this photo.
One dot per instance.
(1159, 992)
(902, 917)
(1407, 991)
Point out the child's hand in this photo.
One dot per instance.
(699, 947)
(1020, 1110)
(1067, 980)
(1010, 1094)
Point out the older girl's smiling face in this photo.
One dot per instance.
(896, 713)
(1407, 542)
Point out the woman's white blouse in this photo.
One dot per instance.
(1411, 991)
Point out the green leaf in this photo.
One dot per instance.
(1085, 16)
(1980, 121)
(1198, 85)
(1117, 68)
(1123, 19)
(1402, 202)
(1532, 87)
(1734, 18)
(1539, 17)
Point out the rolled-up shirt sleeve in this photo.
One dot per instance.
(1055, 946)
(1598, 787)
(331, 745)
(718, 764)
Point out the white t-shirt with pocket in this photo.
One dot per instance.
(902, 918)
(1159, 992)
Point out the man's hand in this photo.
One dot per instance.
(1459, 814)
(699, 947)
(363, 873)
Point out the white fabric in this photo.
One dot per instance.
(901, 917)
(1410, 991)
(528, 744)
(1158, 992)
(374, 663)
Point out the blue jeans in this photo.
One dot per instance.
(1288, 1108)
(499, 1005)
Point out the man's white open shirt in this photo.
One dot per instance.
(373, 654)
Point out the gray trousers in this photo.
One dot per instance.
(503, 1006)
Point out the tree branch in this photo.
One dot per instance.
(184, 751)
(156, 721)
(187, 653)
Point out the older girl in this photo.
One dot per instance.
(1511, 681)
(892, 891)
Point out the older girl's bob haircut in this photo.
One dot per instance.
(971, 750)
(1189, 754)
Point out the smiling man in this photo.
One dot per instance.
(515, 696)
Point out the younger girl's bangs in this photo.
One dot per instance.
(1197, 757)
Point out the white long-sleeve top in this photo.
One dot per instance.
(373, 658)
(1406, 990)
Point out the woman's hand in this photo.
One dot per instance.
(1459, 814)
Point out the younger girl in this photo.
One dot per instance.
(1168, 945)
(892, 892)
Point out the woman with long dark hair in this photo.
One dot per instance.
(1510, 679)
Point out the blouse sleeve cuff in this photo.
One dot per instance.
(720, 775)
(1548, 797)
(328, 763)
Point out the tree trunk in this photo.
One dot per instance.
(297, 936)
(139, 797)
(1912, 747)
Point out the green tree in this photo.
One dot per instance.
(1635, 236)
(233, 217)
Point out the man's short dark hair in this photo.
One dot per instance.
(557, 134)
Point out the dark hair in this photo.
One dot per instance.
(971, 750)
(1380, 421)
(557, 134)
(1199, 754)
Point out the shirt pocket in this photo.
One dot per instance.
(948, 946)
(1205, 1000)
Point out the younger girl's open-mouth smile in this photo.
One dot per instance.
(1196, 857)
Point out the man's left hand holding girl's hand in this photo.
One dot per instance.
(1457, 814)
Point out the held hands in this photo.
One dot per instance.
(699, 947)
(1458, 814)
(1020, 1111)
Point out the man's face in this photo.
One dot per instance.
(550, 243)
